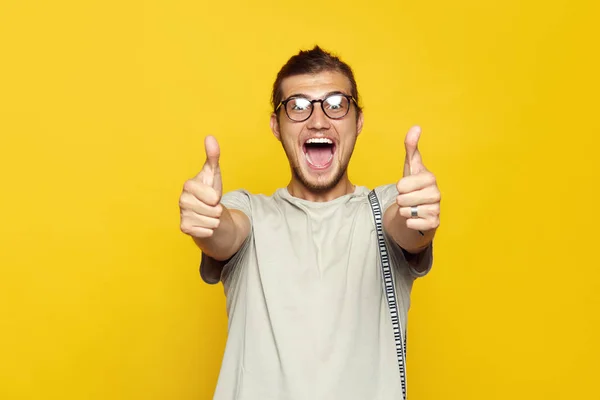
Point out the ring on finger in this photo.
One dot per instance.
(414, 212)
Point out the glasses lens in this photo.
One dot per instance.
(336, 106)
(298, 108)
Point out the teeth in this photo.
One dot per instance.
(319, 140)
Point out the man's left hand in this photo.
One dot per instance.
(418, 190)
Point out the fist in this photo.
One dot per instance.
(418, 194)
(199, 203)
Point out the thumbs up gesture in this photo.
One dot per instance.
(418, 194)
(199, 202)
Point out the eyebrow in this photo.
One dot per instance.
(309, 97)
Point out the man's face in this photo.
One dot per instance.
(318, 149)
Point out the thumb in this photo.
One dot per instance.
(213, 152)
(413, 163)
(211, 173)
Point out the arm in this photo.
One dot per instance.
(218, 231)
(228, 237)
(417, 189)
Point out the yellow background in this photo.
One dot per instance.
(103, 110)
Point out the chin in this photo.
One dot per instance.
(320, 182)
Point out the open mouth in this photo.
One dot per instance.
(319, 152)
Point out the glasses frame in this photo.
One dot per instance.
(312, 106)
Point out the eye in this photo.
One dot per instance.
(335, 102)
(299, 104)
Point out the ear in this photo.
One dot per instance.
(359, 123)
(275, 126)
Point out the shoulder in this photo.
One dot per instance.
(246, 195)
(238, 200)
(248, 202)
(386, 194)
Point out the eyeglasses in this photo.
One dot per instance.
(299, 109)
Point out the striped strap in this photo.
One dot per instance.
(389, 289)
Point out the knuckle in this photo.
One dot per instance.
(188, 186)
(186, 228)
(434, 196)
(400, 201)
(431, 178)
(183, 203)
(400, 186)
(208, 233)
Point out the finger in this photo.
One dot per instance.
(429, 195)
(412, 162)
(213, 152)
(197, 232)
(189, 202)
(416, 182)
(423, 211)
(199, 221)
(423, 224)
(202, 191)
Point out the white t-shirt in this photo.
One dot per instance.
(308, 319)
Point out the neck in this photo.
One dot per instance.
(343, 187)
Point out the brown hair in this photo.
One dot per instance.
(312, 62)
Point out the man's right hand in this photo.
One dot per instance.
(199, 202)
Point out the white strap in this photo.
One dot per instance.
(389, 290)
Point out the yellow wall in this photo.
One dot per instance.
(103, 110)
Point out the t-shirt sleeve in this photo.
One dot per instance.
(213, 271)
(420, 264)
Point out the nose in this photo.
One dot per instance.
(318, 120)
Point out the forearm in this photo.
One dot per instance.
(411, 240)
(228, 237)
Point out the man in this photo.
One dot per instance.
(308, 317)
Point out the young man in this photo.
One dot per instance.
(308, 317)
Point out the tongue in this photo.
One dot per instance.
(319, 156)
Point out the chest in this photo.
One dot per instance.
(316, 245)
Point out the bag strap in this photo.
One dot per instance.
(389, 290)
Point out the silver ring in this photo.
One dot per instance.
(414, 212)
